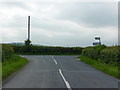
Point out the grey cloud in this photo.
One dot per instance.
(74, 40)
(90, 14)
(49, 25)
(52, 25)
(15, 5)
(17, 21)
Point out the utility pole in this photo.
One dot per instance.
(28, 42)
(28, 27)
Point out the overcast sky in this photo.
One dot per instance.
(60, 24)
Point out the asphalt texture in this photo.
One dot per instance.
(55, 71)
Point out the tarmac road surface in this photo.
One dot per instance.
(59, 71)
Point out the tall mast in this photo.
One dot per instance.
(28, 27)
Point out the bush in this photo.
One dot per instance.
(105, 54)
(93, 52)
(16, 48)
(90, 52)
(110, 55)
(7, 51)
(99, 48)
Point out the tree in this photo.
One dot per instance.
(28, 46)
(27, 42)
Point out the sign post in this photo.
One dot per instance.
(97, 43)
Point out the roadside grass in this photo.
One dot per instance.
(106, 68)
(11, 65)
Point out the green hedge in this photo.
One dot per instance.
(93, 52)
(110, 55)
(7, 51)
(103, 53)
(46, 49)
(90, 52)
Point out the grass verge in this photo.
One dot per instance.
(12, 65)
(106, 68)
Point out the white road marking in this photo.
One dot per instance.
(52, 56)
(55, 61)
(66, 82)
(78, 59)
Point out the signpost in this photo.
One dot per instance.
(97, 43)
(97, 38)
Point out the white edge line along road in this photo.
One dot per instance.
(66, 82)
(78, 59)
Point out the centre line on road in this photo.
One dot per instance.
(52, 56)
(66, 82)
(55, 61)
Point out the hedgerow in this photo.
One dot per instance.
(7, 51)
(110, 55)
(103, 53)
(90, 52)
(46, 49)
(93, 52)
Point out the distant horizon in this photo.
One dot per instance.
(52, 45)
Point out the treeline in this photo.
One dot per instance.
(46, 50)
(108, 55)
(8, 50)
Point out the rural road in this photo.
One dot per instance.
(47, 71)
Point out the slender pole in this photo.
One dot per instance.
(28, 27)
(100, 41)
